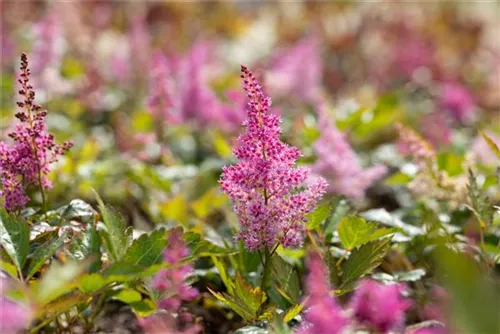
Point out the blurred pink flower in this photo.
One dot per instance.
(381, 307)
(13, 317)
(323, 314)
(264, 185)
(436, 128)
(161, 96)
(481, 151)
(171, 281)
(457, 100)
(47, 32)
(297, 71)
(338, 163)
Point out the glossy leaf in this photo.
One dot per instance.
(355, 231)
(14, 238)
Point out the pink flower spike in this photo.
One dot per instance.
(323, 315)
(380, 306)
(171, 281)
(337, 161)
(270, 194)
(27, 161)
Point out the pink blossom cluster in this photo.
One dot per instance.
(379, 306)
(298, 70)
(324, 314)
(171, 281)
(180, 91)
(27, 161)
(270, 194)
(374, 305)
(338, 163)
(457, 100)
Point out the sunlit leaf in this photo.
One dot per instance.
(14, 238)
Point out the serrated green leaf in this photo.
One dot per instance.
(285, 279)
(14, 238)
(363, 260)
(480, 205)
(43, 253)
(117, 237)
(86, 245)
(147, 249)
(340, 208)
(318, 216)
(398, 179)
(355, 231)
(202, 247)
(223, 274)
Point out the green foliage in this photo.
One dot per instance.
(115, 235)
(479, 203)
(147, 249)
(14, 238)
(43, 253)
(245, 299)
(362, 261)
(356, 231)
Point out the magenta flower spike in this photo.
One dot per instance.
(27, 161)
(171, 281)
(381, 307)
(338, 163)
(323, 315)
(270, 194)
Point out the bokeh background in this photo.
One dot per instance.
(150, 94)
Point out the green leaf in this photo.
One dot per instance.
(363, 260)
(86, 245)
(78, 210)
(43, 253)
(202, 247)
(340, 208)
(58, 280)
(9, 268)
(285, 280)
(14, 238)
(398, 179)
(223, 274)
(355, 231)
(117, 237)
(246, 300)
(147, 249)
(480, 205)
(493, 146)
(292, 312)
(128, 296)
(143, 308)
(318, 216)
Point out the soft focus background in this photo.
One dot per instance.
(150, 92)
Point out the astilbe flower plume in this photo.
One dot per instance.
(161, 98)
(269, 193)
(457, 100)
(380, 307)
(27, 161)
(171, 281)
(324, 315)
(338, 162)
